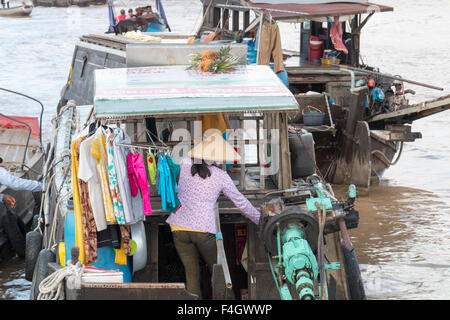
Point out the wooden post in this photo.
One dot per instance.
(285, 161)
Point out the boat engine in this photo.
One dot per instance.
(293, 228)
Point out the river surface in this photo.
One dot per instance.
(403, 239)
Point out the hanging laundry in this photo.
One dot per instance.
(270, 46)
(112, 176)
(87, 216)
(109, 237)
(121, 257)
(167, 188)
(88, 173)
(132, 206)
(174, 172)
(151, 165)
(336, 36)
(125, 238)
(138, 180)
(79, 236)
(99, 152)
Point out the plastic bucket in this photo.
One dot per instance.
(315, 49)
(313, 118)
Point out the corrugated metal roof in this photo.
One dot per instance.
(320, 9)
(173, 90)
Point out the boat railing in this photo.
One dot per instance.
(34, 99)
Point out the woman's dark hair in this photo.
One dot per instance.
(202, 169)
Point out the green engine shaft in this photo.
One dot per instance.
(298, 260)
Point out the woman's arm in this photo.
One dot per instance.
(239, 200)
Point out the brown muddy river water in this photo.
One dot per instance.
(403, 240)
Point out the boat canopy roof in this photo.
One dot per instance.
(122, 93)
(309, 9)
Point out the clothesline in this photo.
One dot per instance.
(142, 146)
(111, 187)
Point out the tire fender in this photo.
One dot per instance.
(41, 271)
(32, 249)
(354, 280)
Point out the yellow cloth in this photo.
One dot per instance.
(177, 228)
(213, 121)
(121, 257)
(79, 236)
(99, 152)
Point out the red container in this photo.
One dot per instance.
(315, 49)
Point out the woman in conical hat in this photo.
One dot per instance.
(200, 185)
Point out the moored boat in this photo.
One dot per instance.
(22, 10)
(145, 18)
(287, 203)
(67, 3)
(366, 117)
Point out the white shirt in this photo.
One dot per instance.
(15, 183)
(87, 171)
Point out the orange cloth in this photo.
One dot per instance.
(213, 121)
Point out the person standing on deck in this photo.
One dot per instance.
(11, 181)
(200, 185)
(122, 16)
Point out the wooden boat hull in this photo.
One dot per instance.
(21, 11)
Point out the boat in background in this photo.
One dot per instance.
(365, 115)
(22, 10)
(68, 3)
(156, 21)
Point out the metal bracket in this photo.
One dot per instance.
(332, 266)
(311, 203)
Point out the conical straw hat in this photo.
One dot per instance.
(214, 148)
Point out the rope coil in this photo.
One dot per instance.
(52, 287)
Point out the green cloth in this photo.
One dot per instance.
(151, 164)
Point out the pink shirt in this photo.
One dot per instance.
(199, 196)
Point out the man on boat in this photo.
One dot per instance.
(399, 90)
(130, 13)
(396, 98)
(148, 14)
(122, 16)
(16, 183)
